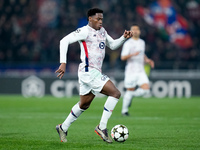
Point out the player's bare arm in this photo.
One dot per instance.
(61, 70)
(149, 61)
(129, 56)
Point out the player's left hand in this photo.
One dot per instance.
(127, 34)
(150, 62)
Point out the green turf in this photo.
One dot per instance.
(154, 124)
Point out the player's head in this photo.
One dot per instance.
(135, 29)
(95, 18)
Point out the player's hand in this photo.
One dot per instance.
(61, 70)
(136, 53)
(150, 62)
(127, 34)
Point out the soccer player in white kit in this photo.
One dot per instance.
(133, 52)
(93, 39)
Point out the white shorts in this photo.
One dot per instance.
(135, 79)
(92, 81)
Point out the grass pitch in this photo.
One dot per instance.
(154, 124)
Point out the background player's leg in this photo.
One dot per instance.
(127, 100)
(77, 110)
(113, 94)
(130, 93)
(142, 90)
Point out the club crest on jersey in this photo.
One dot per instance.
(102, 45)
(104, 77)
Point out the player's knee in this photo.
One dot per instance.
(117, 94)
(84, 106)
(145, 86)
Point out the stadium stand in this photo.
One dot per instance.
(30, 32)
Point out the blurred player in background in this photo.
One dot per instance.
(133, 52)
(93, 39)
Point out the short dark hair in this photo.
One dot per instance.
(135, 24)
(93, 11)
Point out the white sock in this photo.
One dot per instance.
(107, 112)
(74, 114)
(140, 92)
(126, 101)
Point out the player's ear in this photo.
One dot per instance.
(90, 18)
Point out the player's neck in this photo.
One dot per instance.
(91, 26)
(135, 38)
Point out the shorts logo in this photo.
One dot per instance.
(103, 78)
(102, 45)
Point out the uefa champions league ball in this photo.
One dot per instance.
(119, 133)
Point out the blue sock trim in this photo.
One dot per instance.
(106, 109)
(73, 114)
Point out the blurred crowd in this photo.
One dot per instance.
(30, 31)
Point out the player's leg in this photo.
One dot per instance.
(130, 84)
(142, 90)
(76, 111)
(130, 93)
(85, 100)
(109, 89)
(113, 94)
(127, 99)
(143, 83)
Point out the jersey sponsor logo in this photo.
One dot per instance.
(102, 45)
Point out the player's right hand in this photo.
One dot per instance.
(61, 70)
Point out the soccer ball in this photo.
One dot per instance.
(119, 133)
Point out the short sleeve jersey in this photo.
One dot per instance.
(135, 64)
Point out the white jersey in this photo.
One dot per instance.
(135, 64)
(92, 43)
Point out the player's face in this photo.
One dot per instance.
(135, 31)
(96, 21)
